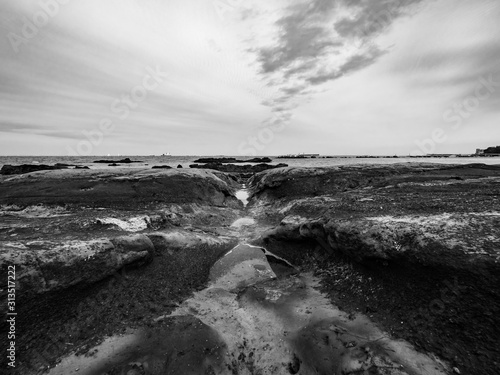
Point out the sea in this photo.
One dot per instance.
(186, 160)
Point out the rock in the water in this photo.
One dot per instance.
(28, 168)
(232, 160)
(123, 161)
(161, 167)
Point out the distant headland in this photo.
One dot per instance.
(490, 151)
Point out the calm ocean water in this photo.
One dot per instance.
(185, 161)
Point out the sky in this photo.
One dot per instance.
(249, 77)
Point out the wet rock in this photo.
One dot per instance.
(161, 167)
(138, 243)
(66, 231)
(179, 241)
(177, 345)
(340, 346)
(28, 168)
(299, 183)
(44, 266)
(123, 161)
(242, 266)
(423, 238)
(393, 212)
(119, 188)
(232, 160)
(403, 238)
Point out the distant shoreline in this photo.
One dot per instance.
(286, 156)
(186, 161)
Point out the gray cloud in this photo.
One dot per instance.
(13, 127)
(304, 36)
(372, 17)
(355, 63)
(309, 38)
(51, 131)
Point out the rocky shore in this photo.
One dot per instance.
(413, 248)
(416, 247)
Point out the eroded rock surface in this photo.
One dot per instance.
(73, 234)
(249, 320)
(418, 246)
(28, 168)
(63, 228)
(414, 247)
(118, 188)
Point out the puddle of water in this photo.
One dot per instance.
(243, 195)
(249, 321)
(241, 267)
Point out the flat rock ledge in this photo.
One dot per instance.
(47, 266)
(118, 188)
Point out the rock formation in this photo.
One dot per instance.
(28, 168)
(172, 254)
(415, 243)
(122, 161)
(232, 160)
(245, 170)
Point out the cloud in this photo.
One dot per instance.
(321, 41)
(372, 17)
(51, 131)
(354, 63)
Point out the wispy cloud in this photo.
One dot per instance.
(321, 41)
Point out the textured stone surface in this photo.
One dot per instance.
(417, 246)
(128, 188)
(43, 266)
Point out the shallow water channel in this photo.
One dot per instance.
(258, 315)
(243, 195)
